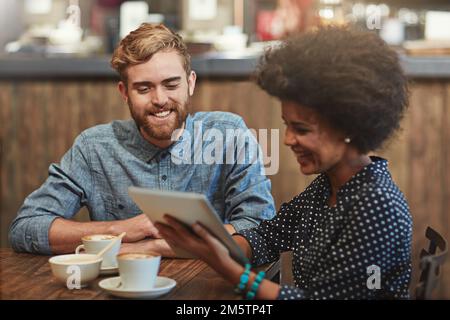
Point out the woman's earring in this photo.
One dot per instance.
(347, 140)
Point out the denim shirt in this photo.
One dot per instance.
(106, 159)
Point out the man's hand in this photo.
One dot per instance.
(137, 228)
(158, 246)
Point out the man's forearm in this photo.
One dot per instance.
(64, 235)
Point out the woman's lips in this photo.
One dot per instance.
(302, 156)
(301, 153)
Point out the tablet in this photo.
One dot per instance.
(189, 208)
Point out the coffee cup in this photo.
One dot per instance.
(75, 269)
(93, 244)
(138, 271)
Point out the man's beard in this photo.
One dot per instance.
(163, 131)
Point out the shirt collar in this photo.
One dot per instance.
(146, 151)
(377, 168)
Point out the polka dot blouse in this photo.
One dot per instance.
(358, 249)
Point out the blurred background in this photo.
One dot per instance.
(86, 27)
(55, 81)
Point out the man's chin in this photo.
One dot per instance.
(159, 132)
(162, 133)
(159, 135)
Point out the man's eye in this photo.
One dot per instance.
(142, 89)
(172, 86)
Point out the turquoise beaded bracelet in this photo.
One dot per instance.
(252, 292)
(244, 279)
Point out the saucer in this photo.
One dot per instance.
(109, 270)
(162, 286)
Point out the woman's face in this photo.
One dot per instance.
(317, 147)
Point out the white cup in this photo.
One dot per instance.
(73, 269)
(93, 244)
(138, 271)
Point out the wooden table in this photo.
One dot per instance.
(28, 276)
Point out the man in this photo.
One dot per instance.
(156, 83)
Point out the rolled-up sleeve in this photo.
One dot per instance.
(272, 237)
(65, 191)
(248, 198)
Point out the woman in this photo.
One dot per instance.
(342, 95)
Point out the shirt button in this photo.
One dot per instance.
(164, 177)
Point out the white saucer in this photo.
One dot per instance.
(109, 270)
(162, 286)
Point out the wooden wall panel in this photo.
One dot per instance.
(39, 121)
(445, 200)
(426, 162)
(6, 133)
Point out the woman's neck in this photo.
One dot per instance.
(343, 171)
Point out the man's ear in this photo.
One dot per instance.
(191, 82)
(123, 90)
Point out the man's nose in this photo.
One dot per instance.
(159, 97)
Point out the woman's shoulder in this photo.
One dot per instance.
(381, 187)
(381, 199)
(376, 183)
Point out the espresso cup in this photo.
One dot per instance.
(138, 271)
(93, 244)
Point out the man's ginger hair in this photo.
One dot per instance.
(141, 44)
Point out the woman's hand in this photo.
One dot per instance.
(200, 243)
(206, 247)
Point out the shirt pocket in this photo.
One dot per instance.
(120, 207)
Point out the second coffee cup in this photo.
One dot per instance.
(138, 271)
(93, 244)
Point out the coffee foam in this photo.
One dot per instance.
(135, 256)
(99, 237)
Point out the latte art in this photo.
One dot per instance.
(134, 256)
(99, 237)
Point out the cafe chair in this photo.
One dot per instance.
(286, 276)
(281, 270)
(430, 263)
